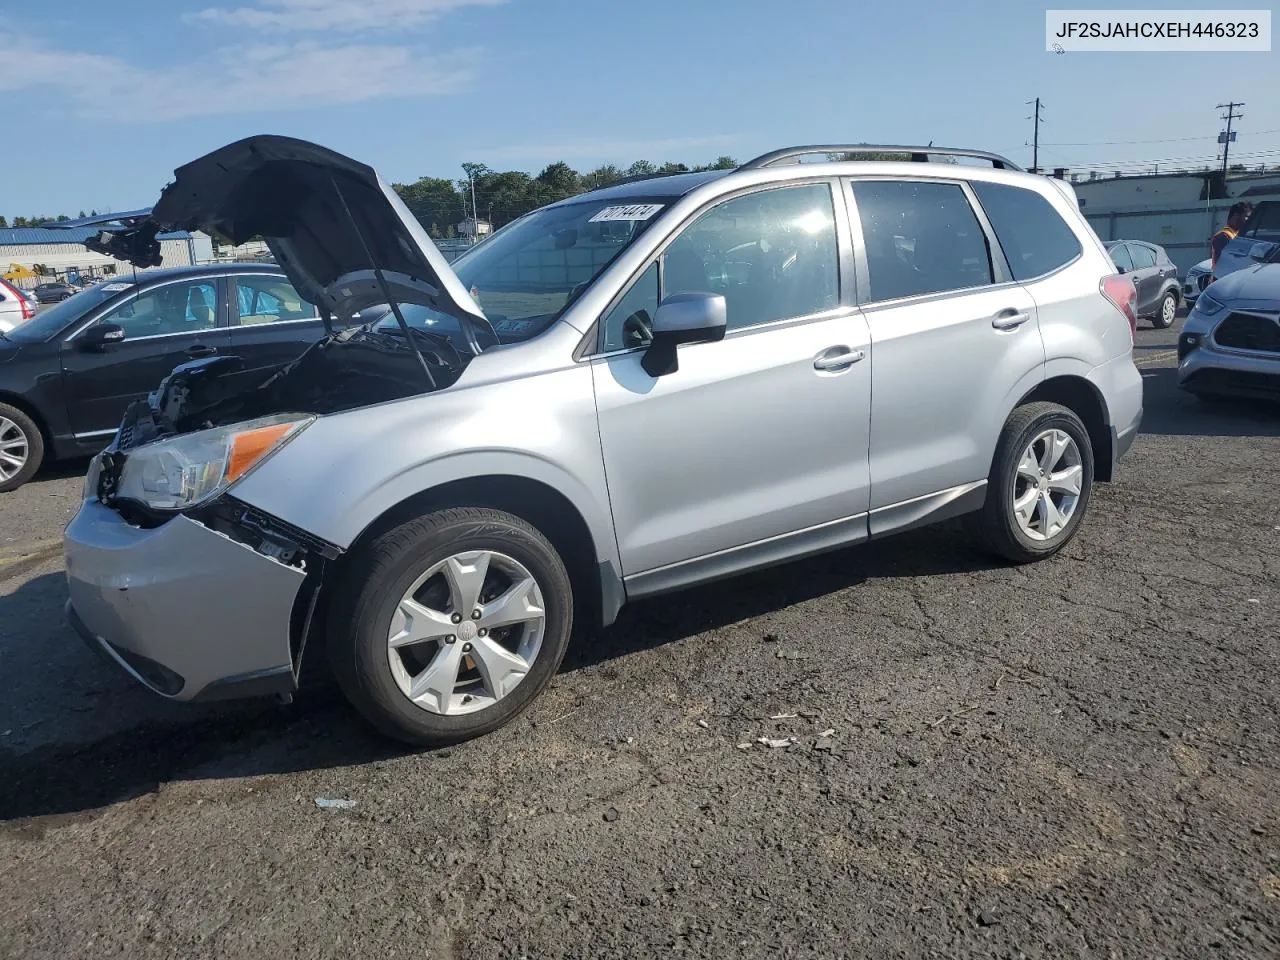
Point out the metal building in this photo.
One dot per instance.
(61, 252)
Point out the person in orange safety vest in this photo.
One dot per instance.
(1236, 217)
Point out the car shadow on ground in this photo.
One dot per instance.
(1171, 411)
(152, 742)
(63, 469)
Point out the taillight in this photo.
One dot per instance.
(1119, 289)
(28, 311)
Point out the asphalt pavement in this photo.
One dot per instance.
(1079, 758)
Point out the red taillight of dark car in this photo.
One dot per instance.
(1119, 289)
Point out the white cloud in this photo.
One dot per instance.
(239, 80)
(656, 151)
(351, 15)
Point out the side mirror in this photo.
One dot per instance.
(682, 318)
(100, 336)
(1260, 251)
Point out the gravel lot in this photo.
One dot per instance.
(1075, 759)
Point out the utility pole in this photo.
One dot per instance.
(1035, 136)
(1226, 138)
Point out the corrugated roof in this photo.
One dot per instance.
(25, 235)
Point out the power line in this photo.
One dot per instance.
(1126, 143)
(1199, 159)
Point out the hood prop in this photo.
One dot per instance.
(382, 282)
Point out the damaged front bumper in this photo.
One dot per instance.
(189, 612)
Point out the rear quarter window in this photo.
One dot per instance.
(1034, 237)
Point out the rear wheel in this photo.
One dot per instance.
(450, 625)
(1039, 485)
(1168, 311)
(21, 448)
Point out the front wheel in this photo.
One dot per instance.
(1039, 486)
(1167, 313)
(448, 626)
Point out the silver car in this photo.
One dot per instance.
(1197, 278)
(1230, 343)
(634, 390)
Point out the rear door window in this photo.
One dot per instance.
(1143, 257)
(268, 299)
(1120, 257)
(921, 238)
(1034, 237)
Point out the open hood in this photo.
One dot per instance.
(330, 223)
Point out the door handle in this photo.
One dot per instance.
(1009, 319)
(200, 350)
(837, 358)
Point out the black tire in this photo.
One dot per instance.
(379, 575)
(995, 523)
(1158, 320)
(35, 447)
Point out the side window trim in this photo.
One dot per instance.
(595, 338)
(1000, 272)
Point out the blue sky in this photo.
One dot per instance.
(114, 95)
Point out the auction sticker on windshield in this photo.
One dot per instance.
(115, 287)
(634, 211)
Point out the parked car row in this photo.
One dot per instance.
(419, 496)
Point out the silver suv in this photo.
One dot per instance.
(633, 390)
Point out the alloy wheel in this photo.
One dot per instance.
(1046, 485)
(14, 449)
(466, 632)
(1168, 311)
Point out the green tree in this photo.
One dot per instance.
(669, 167)
(641, 168)
(3, 222)
(560, 179)
(602, 176)
(20, 222)
(431, 199)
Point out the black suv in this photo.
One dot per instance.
(67, 375)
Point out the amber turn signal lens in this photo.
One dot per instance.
(251, 446)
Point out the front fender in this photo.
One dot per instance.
(346, 470)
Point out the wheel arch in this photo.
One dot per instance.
(1080, 396)
(21, 403)
(597, 582)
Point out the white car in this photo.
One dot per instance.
(1196, 280)
(15, 307)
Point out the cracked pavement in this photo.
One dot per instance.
(1077, 758)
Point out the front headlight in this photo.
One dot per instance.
(1208, 304)
(181, 472)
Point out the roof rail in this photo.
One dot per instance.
(917, 154)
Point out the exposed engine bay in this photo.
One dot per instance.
(352, 368)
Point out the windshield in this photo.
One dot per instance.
(527, 273)
(52, 319)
